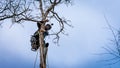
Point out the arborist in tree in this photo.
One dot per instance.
(35, 38)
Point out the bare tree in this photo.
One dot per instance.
(113, 49)
(19, 11)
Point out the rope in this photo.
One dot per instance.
(47, 62)
(35, 60)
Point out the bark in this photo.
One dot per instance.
(42, 47)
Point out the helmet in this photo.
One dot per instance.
(48, 27)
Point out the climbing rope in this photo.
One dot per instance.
(35, 60)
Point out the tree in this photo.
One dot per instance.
(19, 11)
(113, 51)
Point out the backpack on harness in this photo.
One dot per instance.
(35, 41)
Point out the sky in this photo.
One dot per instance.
(77, 50)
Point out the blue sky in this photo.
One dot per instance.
(89, 35)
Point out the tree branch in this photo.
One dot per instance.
(41, 8)
(53, 4)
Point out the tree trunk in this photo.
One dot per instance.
(41, 39)
(43, 49)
